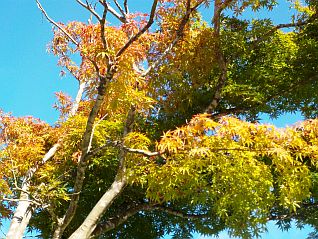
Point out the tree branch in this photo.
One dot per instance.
(277, 27)
(126, 6)
(102, 23)
(24, 210)
(119, 144)
(122, 217)
(82, 165)
(141, 31)
(89, 8)
(119, 8)
(78, 98)
(20, 200)
(218, 7)
(121, 18)
(118, 185)
(179, 35)
(179, 213)
(56, 24)
(92, 135)
(142, 152)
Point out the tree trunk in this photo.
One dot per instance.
(89, 224)
(20, 218)
(23, 212)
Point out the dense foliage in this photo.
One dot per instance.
(163, 136)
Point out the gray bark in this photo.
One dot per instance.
(90, 223)
(21, 217)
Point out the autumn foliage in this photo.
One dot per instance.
(164, 129)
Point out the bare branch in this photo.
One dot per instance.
(277, 27)
(121, 18)
(82, 164)
(119, 7)
(179, 213)
(218, 7)
(142, 152)
(89, 8)
(110, 143)
(126, 6)
(78, 98)
(90, 222)
(20, 200)
(141, 31)
(56, 24)
(103, 37)
(118, 220)
(125, 215)
(118, 185)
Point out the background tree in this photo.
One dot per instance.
(144, 152)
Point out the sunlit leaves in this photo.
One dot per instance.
(242, 168)
(235, 171)
(23, 140)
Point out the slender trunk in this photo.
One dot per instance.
(21, 217)
(90, 223)
(218, 7)
(23, 212)
(78, 98)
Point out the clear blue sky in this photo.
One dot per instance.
(29, 76)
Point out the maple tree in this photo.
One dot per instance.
(163, 136)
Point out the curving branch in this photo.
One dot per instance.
(119, 144)
(142, 152)
(20, 200)
(82, 165)
(125, 215)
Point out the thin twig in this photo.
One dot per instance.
(56, 24)
(125, 215)
(89, 8)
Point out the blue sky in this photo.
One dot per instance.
(29, 75)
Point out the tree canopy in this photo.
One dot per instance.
(164, 134)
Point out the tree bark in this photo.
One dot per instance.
(21, 217)
(90, 223)
(23, 212)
